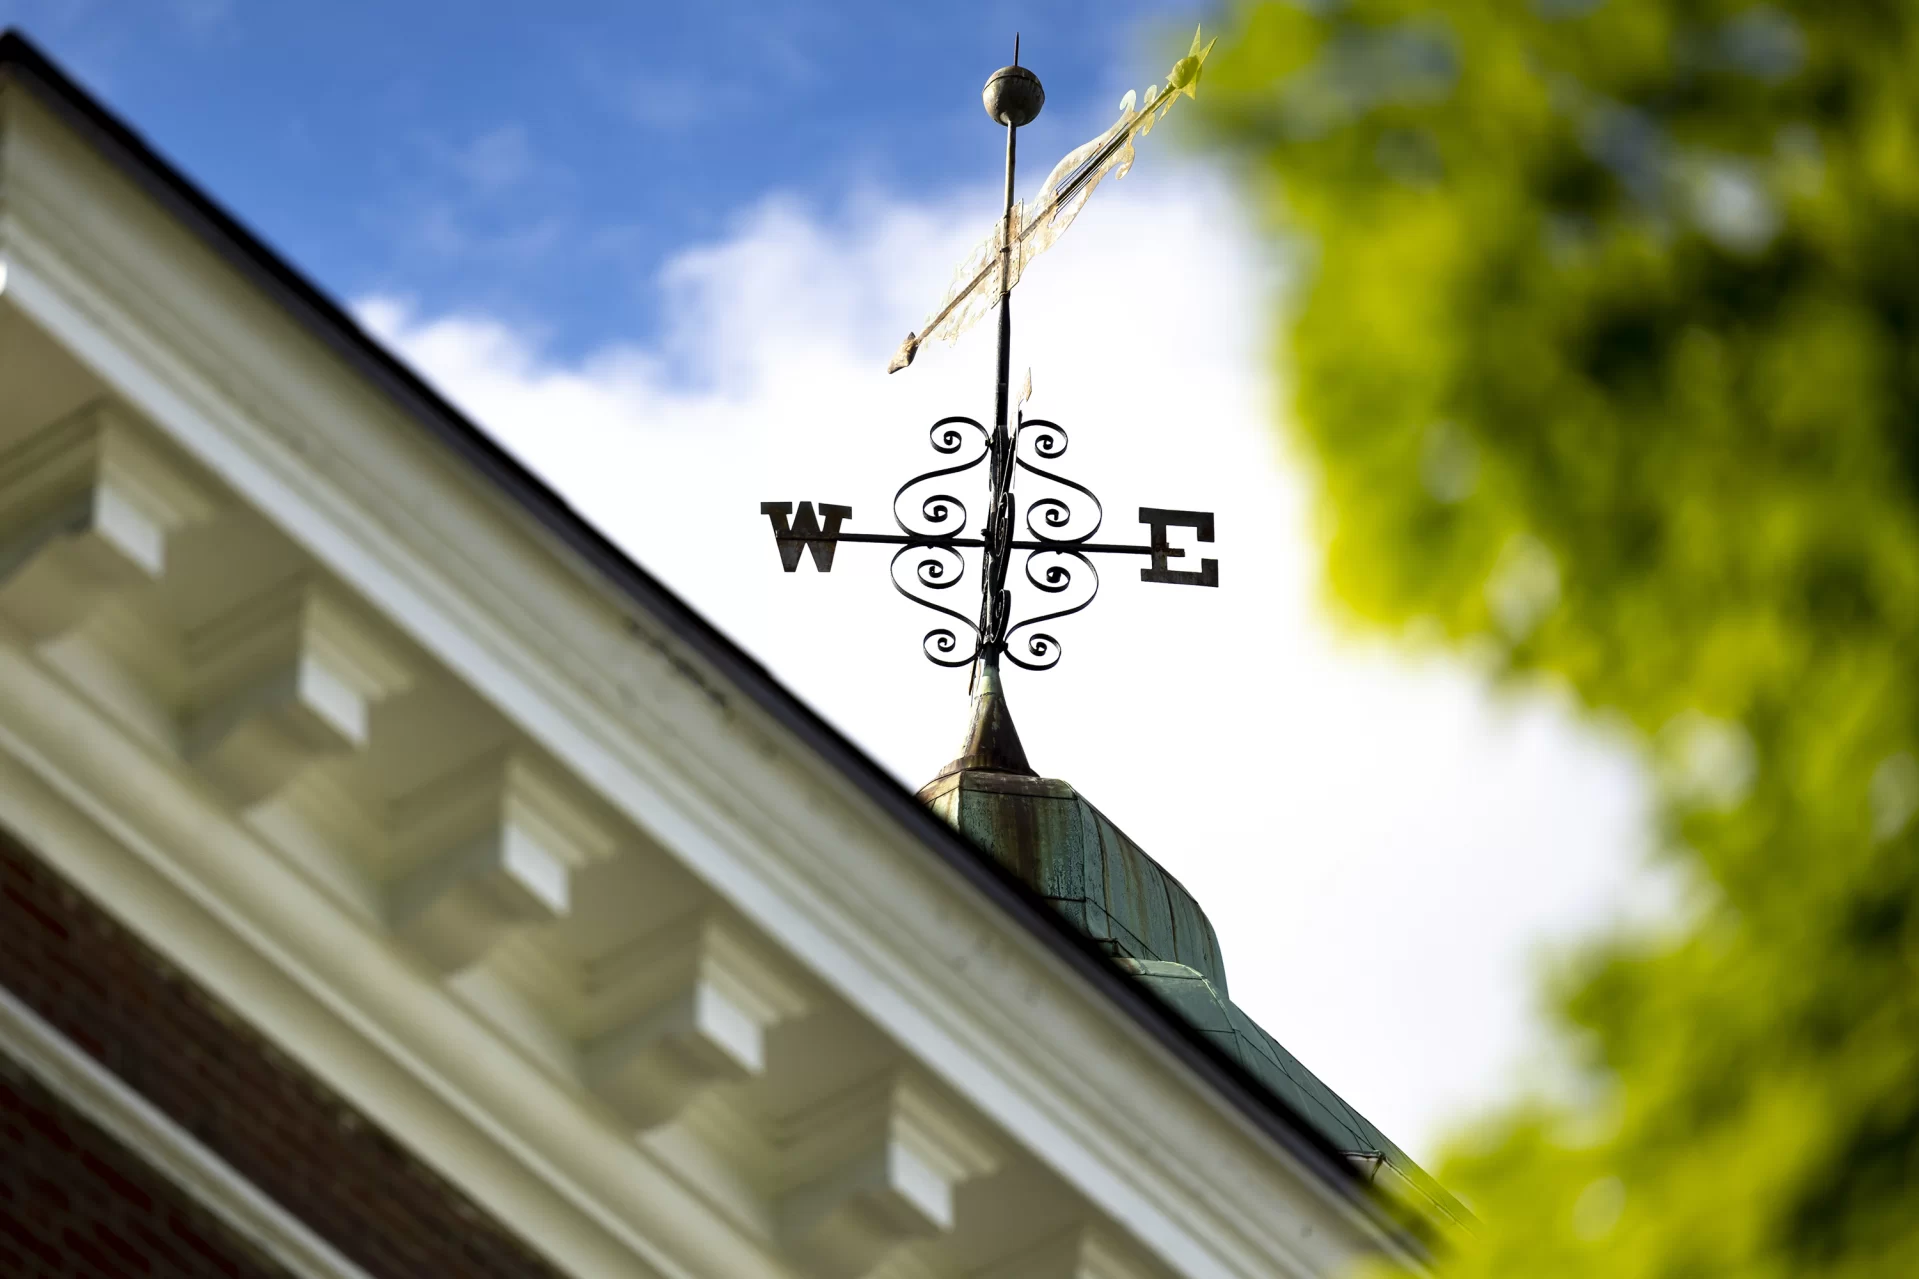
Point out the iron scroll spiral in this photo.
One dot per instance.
(937, 568)
(941, 514)
(929, 563)
(1042, 648)
(1050, 441)
(933, 565)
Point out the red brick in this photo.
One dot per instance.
(28, 1239)
(48, 1129)
(89, 1201)
(117, 1181)
(83, 1249)
(163, 1250)
(45, 1195)
(37, 915)
(141, 1262)
(214, 1255)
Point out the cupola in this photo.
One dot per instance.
(1064, 848)
(1057, 843)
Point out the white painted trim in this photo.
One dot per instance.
(213, 900)
(168, 1149)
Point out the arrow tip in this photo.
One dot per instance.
(904, 356)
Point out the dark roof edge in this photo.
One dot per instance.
(327, 322)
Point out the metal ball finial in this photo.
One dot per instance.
(1013, 96)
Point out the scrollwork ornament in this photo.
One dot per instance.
(946, 437)
(941, 514)
(1049, 441)
(934, 541)
(1056, 514)
(937, 568)
(1044, 650)
(1057, 577)
(1049, 438)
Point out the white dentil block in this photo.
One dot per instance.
(86, 508)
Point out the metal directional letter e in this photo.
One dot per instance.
(805, 531)
(1159, 521)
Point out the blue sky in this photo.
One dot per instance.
(473, 155)
(663, 253)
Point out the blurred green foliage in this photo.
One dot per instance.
(1607, 354)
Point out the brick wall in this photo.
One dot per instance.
(73, 1202)
(242, 1098)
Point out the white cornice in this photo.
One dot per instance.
(873, 1169)
(1080, 1253)
(87, 505)
(285, 678)
(686, 1009)
(487, 848)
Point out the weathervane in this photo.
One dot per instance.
(1059, 528)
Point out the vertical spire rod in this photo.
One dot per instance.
(1012, 98)
(1007, 236)
(1005, 372)
(999, 529)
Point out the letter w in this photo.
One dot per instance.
(805, 531)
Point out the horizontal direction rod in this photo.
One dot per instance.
(963, 543)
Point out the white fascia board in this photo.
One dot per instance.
(777, 832)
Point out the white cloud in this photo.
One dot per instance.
(494, 161)
(202, 14)
(1380, 842)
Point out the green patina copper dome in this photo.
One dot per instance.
(1049, 835)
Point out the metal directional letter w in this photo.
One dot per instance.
(805, 531)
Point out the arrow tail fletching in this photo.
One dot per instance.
(976, 289)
